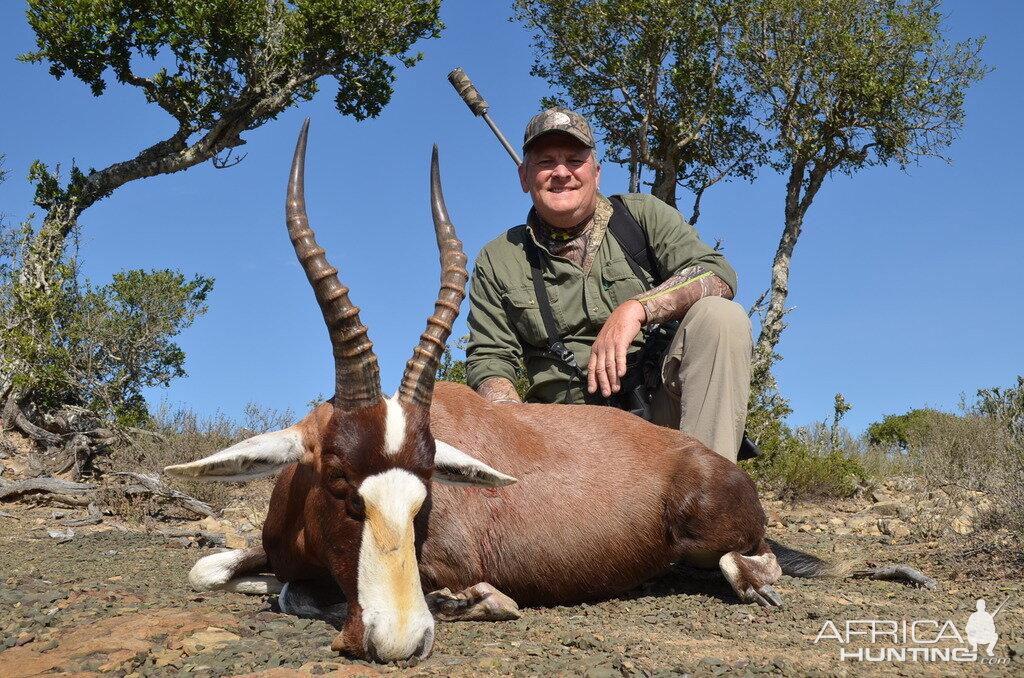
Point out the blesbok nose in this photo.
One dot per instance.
(383, 647)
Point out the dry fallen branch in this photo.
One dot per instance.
(151, 484)
(200, 537)
(52, 489)
(95, 517)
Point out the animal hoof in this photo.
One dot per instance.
(481, 602)
(767, 597)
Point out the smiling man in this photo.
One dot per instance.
(599, 298)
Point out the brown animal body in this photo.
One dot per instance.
(603, 502)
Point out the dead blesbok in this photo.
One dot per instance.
(384, 498)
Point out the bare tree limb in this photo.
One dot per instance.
(153, 485)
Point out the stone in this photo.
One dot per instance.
(961, 525)
(210, 639)
(116, 639)
(235, 541)
(886, 509)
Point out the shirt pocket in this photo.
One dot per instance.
(525, 317)
(619, 281)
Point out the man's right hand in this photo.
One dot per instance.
(608, 355)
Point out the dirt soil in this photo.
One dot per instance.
(112, 600)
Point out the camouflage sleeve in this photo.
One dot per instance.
(498, 390)
(673, 298)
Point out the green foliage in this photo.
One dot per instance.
(451, 369)
(801, 464)
(1005, 406)
(766, 413)
(198, 58)
(841, 84)
(92, 347)
(655, 77)
(972, 465)
(900, 429)
(818, 461)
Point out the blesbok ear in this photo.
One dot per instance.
(252, 458)
(454, 467)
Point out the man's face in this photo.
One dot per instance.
(561, 176)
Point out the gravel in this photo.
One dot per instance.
(114, 601)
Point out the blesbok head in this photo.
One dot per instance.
(366, 461)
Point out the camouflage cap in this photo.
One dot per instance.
(558, 120)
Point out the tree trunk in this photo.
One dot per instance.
(772, 323)
(801, 188)
(664, 186)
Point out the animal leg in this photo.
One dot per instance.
(235, 570)
(751, 576)
(480, 602)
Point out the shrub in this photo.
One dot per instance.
(818, 461)
(977, 460)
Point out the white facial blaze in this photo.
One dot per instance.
(395, 613)
(394, 427)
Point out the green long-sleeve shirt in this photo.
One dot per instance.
(505, 322)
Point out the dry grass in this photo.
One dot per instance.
(974, 467)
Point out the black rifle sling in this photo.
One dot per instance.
(633, 241)
(555, 344)
(636, 246)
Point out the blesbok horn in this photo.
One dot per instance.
(418, 379)
(356, 375)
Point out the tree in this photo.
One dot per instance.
(839, 85)
(1005, 405)
(904, 430)
(219, 68)
(237, 64)
(89, 350)
(655, 77)
(454, 369)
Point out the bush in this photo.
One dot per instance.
(804, 463)
(818, 461)
(977, 460)
(76, 344)
(898, 429)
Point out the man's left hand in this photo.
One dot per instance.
(608, 356)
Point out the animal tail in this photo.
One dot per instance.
(799, 564)
(806, 565)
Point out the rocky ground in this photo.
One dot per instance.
(111, 599)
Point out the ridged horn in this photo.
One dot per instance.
(418, 380)
(356, 376)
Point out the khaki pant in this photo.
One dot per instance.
(706, 376)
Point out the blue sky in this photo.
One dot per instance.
(906, 285)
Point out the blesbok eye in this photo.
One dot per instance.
(356, 506)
